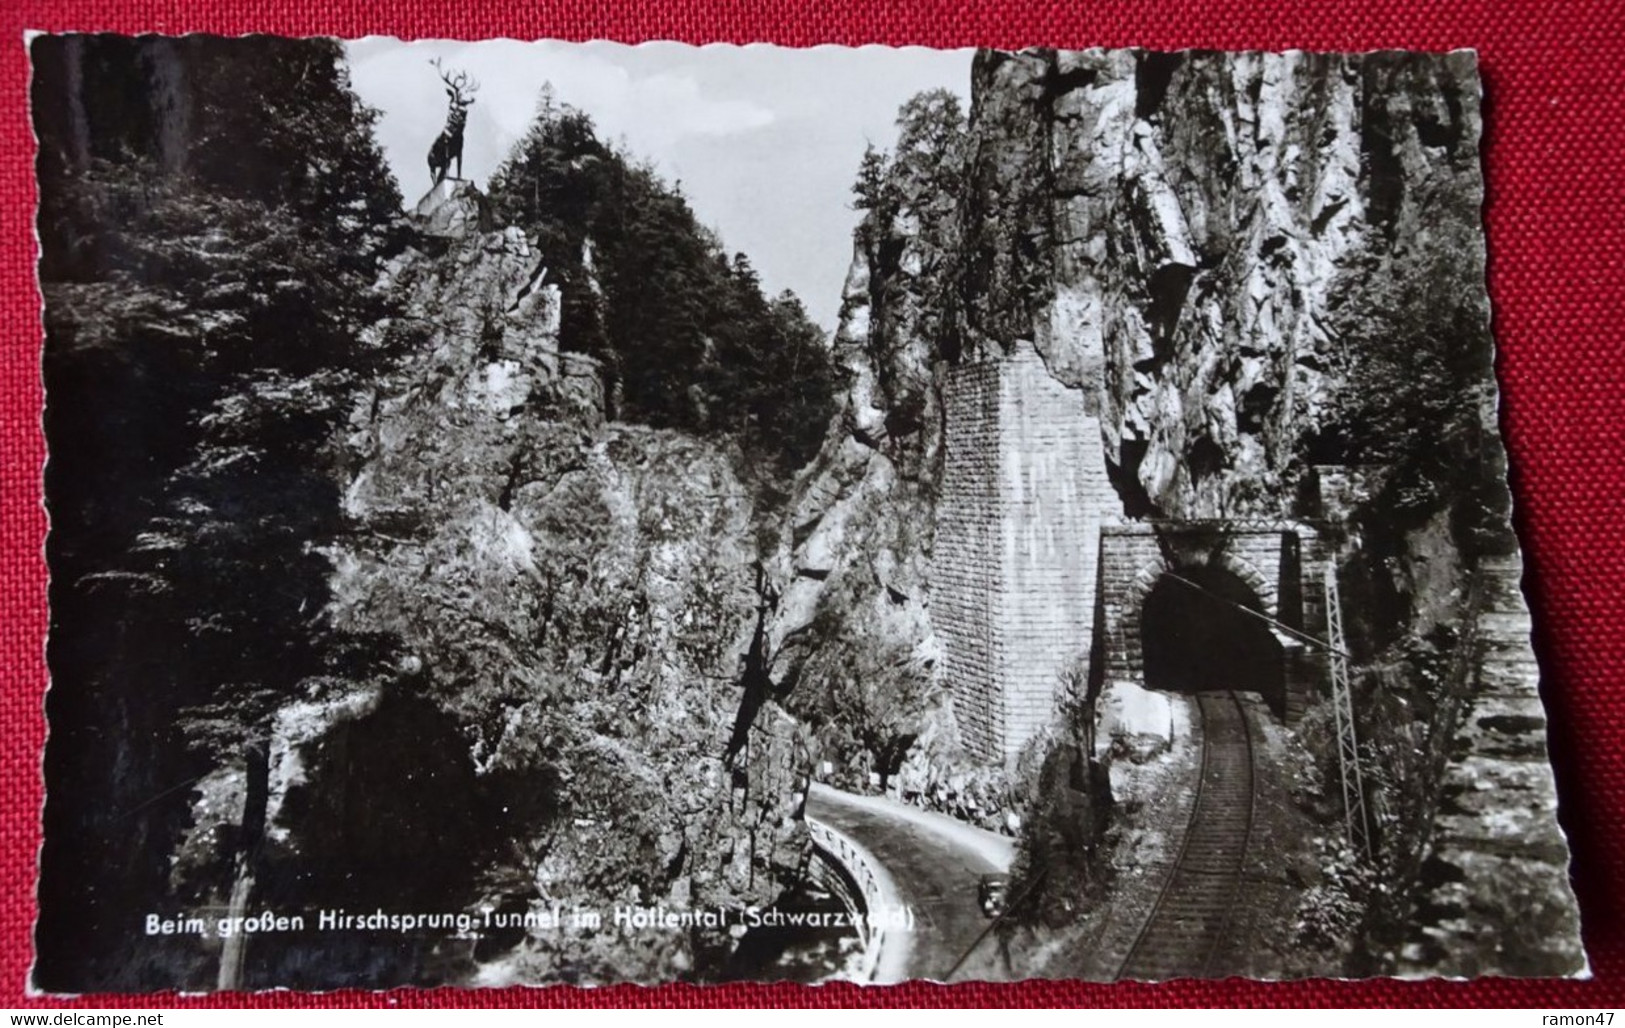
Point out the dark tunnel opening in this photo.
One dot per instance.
(1200, 632)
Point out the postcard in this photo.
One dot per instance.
(535, 512)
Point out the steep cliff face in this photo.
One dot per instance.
(1245, 265)
(852, 648)
(573, 600)
(1177, 233)
(1180, 236)
(1203, 244)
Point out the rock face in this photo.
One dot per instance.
(1176, 233)
(574, 598)
(1179, 238)
(1016, 557)
(850, 641)
(1232, 261)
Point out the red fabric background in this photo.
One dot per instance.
(1556, 219)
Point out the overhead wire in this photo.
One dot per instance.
(1298, 634)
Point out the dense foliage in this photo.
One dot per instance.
(207, 265)
(687, 338)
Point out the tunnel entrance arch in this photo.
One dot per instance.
(1203, 629)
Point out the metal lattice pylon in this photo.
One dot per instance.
(1348, 743)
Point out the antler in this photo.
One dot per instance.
(459, 86)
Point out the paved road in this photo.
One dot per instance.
(936, 864)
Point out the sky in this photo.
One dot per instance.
(764, 141)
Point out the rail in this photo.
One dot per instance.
(1194, 912)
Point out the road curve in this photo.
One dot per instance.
(935, 863)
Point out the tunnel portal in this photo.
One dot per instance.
(1201, 631)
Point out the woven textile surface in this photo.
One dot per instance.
(1556, 224)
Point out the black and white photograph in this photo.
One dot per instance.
(527, 513)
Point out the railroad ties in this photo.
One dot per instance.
(1190, 930)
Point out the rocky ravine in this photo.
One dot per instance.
(1214, 248)
(1195, 242)
(562, 608)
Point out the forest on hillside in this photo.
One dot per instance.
(219, 306)
(508, 557)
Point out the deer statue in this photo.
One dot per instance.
(448, 146)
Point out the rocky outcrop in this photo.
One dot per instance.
(1177, 232)
(850, 641)
(573, 599)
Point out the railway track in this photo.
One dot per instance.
(1192, 921)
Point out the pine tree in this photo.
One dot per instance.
(688, 339)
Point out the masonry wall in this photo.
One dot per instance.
(1281, 563)
(965, 571)
(1017, 545)
(1055, 491)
